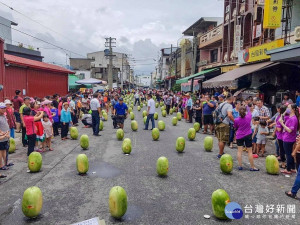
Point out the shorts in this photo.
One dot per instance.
(18, 117)
(4, 146)
(223, 131)
(208, 120)
(120, 119)
(261, 141)
(245, 141)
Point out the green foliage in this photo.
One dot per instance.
(176, 87)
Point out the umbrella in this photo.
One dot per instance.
(90, 81)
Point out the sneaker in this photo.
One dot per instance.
(255, 156)
(219, 156)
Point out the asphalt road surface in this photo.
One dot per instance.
(183, 197)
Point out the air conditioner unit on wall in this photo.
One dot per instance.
(297, 34)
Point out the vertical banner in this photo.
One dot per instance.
(272, 14)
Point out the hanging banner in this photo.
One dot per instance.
(272, 14)
(259, 52)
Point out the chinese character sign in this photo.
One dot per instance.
(272, 14)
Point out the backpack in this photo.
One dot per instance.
(218, 117)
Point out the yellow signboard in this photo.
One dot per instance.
(259, 52)
(272, 14)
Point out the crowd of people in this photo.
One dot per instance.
(246, 123)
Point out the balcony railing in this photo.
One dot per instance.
(212, 36)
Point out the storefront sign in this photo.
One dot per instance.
(225, 69)
(237, 38)
(259, 52)
(272, 14)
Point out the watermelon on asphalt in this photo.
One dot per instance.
(191, 134)
(208, 143)
(164, 113)
(226, 163)
(144, 113)
(161, 125)
(179, 116)
(84, 141)
(129, 109)
(32, 202)
(272, 165)
(161, 103)
(180, 144)
(219, 200)
(117, 202)
(35, 161)
(145, 119)
(155, 116)
(155, 134)
(197, 126)
(171, 111)
(120, 134)
(101, 125)
(131, 115)
(82, 163)
(156, 105)
(126, 146)
(162, 166)
(134, 125)
(139, 108)
(12, 146)
(105, 116)
(74, 133)
(174, 121)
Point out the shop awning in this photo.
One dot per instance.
(197, 75)
(228, 79)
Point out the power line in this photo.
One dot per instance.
(42, 40)
(11, 8)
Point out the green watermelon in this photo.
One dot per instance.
(129, 109)
(180, 144)
(105, 116)
(117, 202)
(145, 119)
(155, 134)
(272, 165)
(142, 105)
(84, 141)
(179, 116)
(126, 146)
(162, 166)
(161, 125)
(174, 121)
(103, 111)
(32, 202)
(131, 115)
(134, 125)
(155, 116)
(191, 134)
(174, 109)
(74, 133)
(144, 113)
(156, 105)
(162, 108)
(161, 103)
(12, 146)
(164, 113)
(226, 163)
(197, 126)
(208, 143)
(82, 163)
(35, 161)
(171, 111)
(101, 125)
(139, 108)
(219, 200)
(120, 134)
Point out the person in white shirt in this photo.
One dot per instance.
(137, 98)
(150, 112)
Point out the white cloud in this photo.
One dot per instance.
(141, 27)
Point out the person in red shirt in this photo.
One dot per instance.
(17, 101)
(30, 127)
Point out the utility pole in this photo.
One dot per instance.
(110, 43)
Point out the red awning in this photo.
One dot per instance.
(15, 60)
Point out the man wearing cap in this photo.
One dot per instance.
(4, 137)
(96, 114)
(121, 111)
(26, 104)
(17, 103)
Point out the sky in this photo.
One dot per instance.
(141, 27)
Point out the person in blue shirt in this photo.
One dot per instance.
(55, 118)
(121, 111)
(189, 106)
(208, 107)
(236, 114)
(65, 119)
(298, 98)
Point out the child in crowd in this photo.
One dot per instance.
(55, 117)
(40, 137)
(10, 117)
(48, 130)
(254, 127)
(30, 127)
(65, 119)
(262, 132)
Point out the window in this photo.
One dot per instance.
(214, 55)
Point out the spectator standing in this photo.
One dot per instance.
(298, 98)
(96, 114)
(286, 99)
(10, 117)
(26, 104)
(137, 98)
(198, 111)
(189, 107)
(168, 102)
(236, 114)
(150, 112)
(208, 106)
(55, 117)
(262, 133)
(121, 111)
(263, 111)
(65, 120)
(17, 103)
(4, 137)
